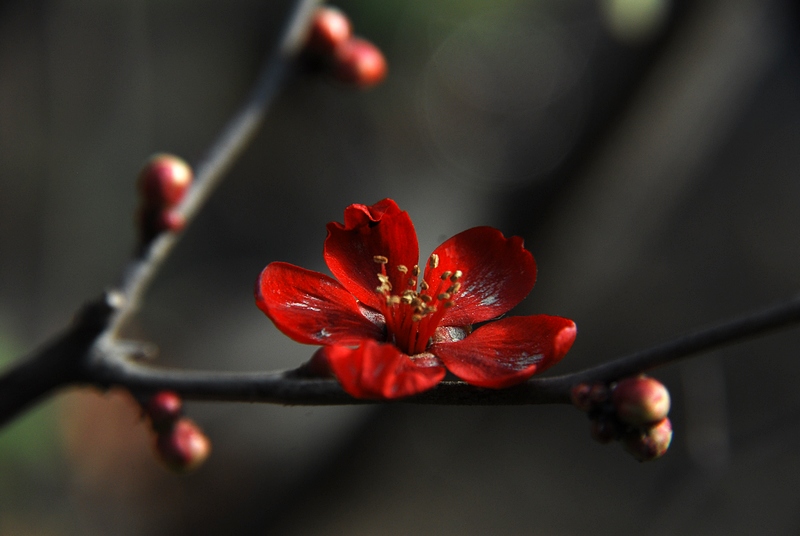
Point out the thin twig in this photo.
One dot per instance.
(236, 135)
(71, 356)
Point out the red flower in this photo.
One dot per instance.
(388, 329)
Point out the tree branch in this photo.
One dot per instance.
(236, 135)
(71, 356)
(294, 388)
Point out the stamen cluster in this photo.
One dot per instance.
(414, 312)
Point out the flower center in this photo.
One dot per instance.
(413, 311)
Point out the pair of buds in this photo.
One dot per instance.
(632, 411)
(180, 443)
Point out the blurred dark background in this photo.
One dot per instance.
(647, 150)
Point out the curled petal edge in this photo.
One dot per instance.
(380, 230)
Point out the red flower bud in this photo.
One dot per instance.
(164, 408)
(329, 29)
(184, 447)
(359, 62)
(163, 180)
(649, 443)
(640, 400)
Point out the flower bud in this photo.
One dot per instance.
(163, 180)
(164, 408)
(649, 443)
(184, 447)
(358, 62)
(330, 28)
(640, 400)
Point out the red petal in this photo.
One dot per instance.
(498, 273)
(508, 351)
(380, 371)
(350, 249)
(310, 307)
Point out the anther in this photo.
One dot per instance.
(415, 270)
(433, 261)
(401, 268)
(456, 276)
(454, 288)
(446, 275)
(385, 288)
(423, 285)
(380, 259)
(426, 298)
(444, 296)
(416, 318)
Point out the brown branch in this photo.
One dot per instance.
(72, 356)
(62, 361)
(236, 135)
(293, 388)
